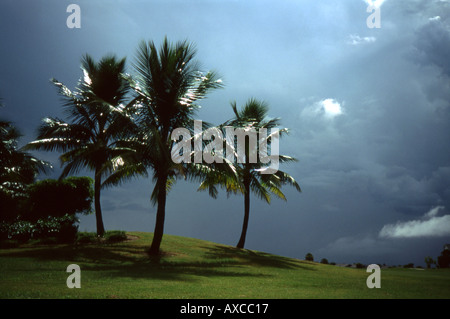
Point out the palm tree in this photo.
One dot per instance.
(252, 176)
(17, 167)
(93, 137)
(168, 84)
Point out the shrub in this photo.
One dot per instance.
(429, 261)
(86, 238)
(4, 230)
(10, 205)
(21, 231)
(309, 257)
(444, 259)
(324, 261)
(68, 229)
(114, 236)
(63, 228)
(49, 197)
(359, 265)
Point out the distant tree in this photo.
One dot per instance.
(324, 261)
(444, 259)
(309, 257)
(429, 261)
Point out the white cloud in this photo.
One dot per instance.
(355, 39)
(434, 211)
(430, 225)
(375, 3)
(331, 107)
(436, 18)
(327, 108)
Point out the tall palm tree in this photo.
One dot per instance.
(168, 83)
(97, 123)
(251, 176)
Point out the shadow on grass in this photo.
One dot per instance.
(132, 261)
(253, 258)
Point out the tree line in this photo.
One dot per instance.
(119, 127)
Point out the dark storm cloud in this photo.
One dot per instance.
(433, 44)
(390, 144)
(368, 111)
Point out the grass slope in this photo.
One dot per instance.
(192, 268)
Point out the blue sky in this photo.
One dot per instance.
(368, 109)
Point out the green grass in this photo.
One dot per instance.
(192, 268)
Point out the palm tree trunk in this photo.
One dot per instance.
(246, 215)
(160, 216)
(98, 209)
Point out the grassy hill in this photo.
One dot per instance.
(192, 268)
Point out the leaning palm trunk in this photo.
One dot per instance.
(241, 242)
(160, 216)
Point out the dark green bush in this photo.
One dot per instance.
(10, 205)
(49, 197)
(21, 230)
(86, 238)
(324, 261)
(4, 230)
(68, 229)
(309, 257)
(63, 228)
(114, 236)
(444, 259)
(45, 209)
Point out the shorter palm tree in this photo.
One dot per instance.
(251, 176)
(94, 136)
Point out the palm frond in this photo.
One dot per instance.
(125, 173)
(260, 190)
